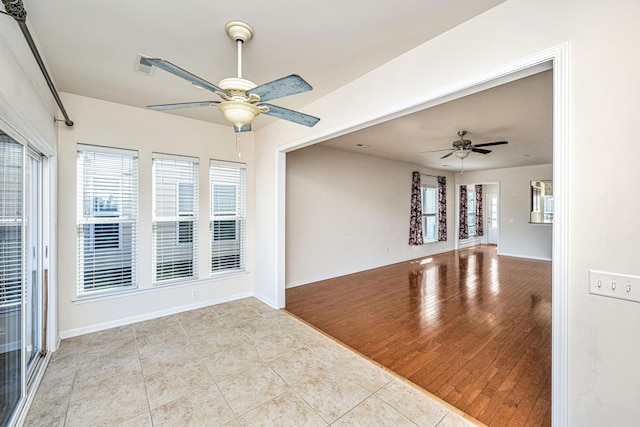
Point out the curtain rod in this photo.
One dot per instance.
(15, 9)
(426, 174)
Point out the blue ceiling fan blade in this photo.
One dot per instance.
(161, 107)
(292, 116)
(183, 74)
(282, 87)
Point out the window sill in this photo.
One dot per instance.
(158, 287)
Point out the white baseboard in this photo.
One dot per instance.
(148, 316)
(524, 256)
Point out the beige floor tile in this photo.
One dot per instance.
(166, 359)
(331, 394)
(274, 345)
(211, 365)
(163, 344)
(222, 340)
(455, 420)
(48, 409)
(373, 412)
(126, 360)
(155, 325)
(142, 420)
(288, 409)
(203, 406)
(413, 403)
(367, 374)
(109, 407)
(250, 388)
(231, 360)
(328, 349)
(89, 382)
(177, 382)
(120, 333)
(299, 365)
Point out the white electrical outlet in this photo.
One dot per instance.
(614, 285)
(194, 294)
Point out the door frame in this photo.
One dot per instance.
(489, 197)
(558, 57)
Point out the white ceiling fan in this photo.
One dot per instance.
(242, 100)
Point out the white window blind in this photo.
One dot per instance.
(227, 216)
(107, 219)
(11, 222)
(429, 213)
(175, 218)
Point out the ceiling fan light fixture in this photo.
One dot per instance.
(239, 114)
(461, 154)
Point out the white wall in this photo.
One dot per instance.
(603, 41)
(27, 109)
(349, 212)
(517, 236)
(25, 99)
(114, 125)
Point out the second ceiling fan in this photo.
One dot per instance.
(463, 147)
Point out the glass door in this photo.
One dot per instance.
(33, 298)
(12, 276)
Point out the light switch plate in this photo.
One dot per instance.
(614, 285)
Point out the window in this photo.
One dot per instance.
(175, 217)
(429, 213)
(11, 212)
(471, 212)
(228, 188)
(107, 219)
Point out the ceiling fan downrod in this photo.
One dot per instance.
(240, 32)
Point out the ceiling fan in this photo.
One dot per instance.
(242, 100)
(463, 147)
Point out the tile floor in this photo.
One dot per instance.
(235, 364)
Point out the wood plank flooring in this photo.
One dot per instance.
(469, 326)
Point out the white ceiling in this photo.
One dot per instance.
(90, 48)
(520, 112)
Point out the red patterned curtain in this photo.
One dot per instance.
(415, 225)
(479, 216)
(442, 209)
(463, 229)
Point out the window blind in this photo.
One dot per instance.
(175, 218)
(107, 219)
(11, 222)
(227, 216)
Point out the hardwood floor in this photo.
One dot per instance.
(469, 326)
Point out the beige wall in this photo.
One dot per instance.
(603, 44)
(349, 212)
(518, 237)
(114, 125)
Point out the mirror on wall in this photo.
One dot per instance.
(541, 202)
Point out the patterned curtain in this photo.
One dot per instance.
(479, 217)
(442, 209)
(415, 225)
(463, 232)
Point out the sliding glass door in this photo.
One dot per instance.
(33, 297)
(12, 275)
(22, 286)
